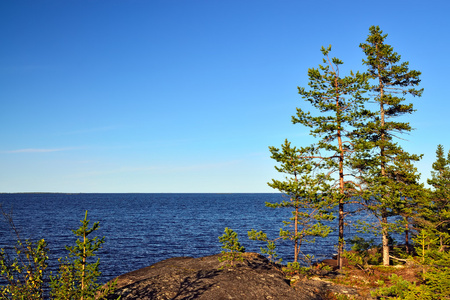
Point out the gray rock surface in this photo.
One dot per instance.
(202, 278)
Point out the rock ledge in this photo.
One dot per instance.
(202, 278)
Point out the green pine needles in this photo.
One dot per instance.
(270, 249)
(232, 249)
(306, 197)
(356, 158)
(437, 212)
(435, 264)
(24, 271)
(339, 105)
(380, 160)
(78, 273)
(357, 121)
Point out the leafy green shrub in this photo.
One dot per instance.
(23, 270)
(24, 273)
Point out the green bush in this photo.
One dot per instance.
(295, 268)
(24, 270)
(435, 281)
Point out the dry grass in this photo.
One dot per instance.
(374, 277)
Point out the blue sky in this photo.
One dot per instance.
(186, 96)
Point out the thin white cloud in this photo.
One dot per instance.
(98, 129)
(34, 150)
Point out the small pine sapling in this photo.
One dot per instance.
(232, 248)
(23, 270)
(435, 283)
(78, 275)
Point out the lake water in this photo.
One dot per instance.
(142, 229)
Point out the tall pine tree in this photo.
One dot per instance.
(391, 82)
(339, 103)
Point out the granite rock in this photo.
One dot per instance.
(207, 278)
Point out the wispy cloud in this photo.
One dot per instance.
(98, 129)
(35, 150)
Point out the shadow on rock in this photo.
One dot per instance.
(193, 288)
(206, 278)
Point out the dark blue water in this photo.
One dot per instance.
(142, 229)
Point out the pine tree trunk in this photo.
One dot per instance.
(385, 239)
(83, 266)
(341, 206)
(341, 235)
(296, 250)
(384, 229)
(407, 236)
(341, 183)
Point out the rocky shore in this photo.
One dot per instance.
(207, 278)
